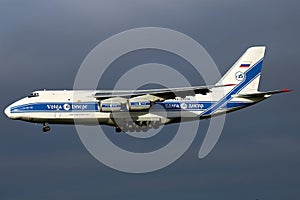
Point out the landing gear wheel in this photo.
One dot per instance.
(138, 129)
(46, 128)
(118, 130)
(145, 128)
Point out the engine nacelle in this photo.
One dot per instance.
(138, 103)
(110, 106)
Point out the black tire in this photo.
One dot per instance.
(145, 128)
(118, 130)
(138, 129)
(46, 128)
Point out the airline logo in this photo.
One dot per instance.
(239, 76)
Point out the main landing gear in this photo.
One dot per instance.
(143, 126)
(46, 127)
(118, 130)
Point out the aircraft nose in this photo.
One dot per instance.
(7, 112)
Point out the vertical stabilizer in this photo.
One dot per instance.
(245, 71)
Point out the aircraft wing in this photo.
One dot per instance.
(157, 94)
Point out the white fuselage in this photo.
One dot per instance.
(65, 107)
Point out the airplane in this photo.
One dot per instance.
(140, 110)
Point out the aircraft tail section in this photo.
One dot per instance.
(245, 72)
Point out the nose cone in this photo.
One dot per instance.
(7, 112)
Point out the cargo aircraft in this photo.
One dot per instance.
(140, 110)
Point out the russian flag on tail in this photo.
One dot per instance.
(245, 65)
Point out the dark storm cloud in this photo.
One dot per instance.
(42, 44)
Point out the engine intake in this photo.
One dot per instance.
(110, 105)
(138, 104)
(120, 104)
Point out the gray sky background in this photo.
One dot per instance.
(42, 44)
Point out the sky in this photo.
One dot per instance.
(43, 43)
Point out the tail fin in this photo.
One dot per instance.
(245, 73)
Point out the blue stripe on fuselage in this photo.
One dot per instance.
(196, 105)
(93, 106)
(56, 107)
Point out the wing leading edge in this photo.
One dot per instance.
(166, 93)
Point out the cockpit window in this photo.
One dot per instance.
(34, 94)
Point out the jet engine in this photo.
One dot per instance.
(138, 103)
(110, 105)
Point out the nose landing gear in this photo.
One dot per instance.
(46, 127)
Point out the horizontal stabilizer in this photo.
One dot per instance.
(262, 94)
